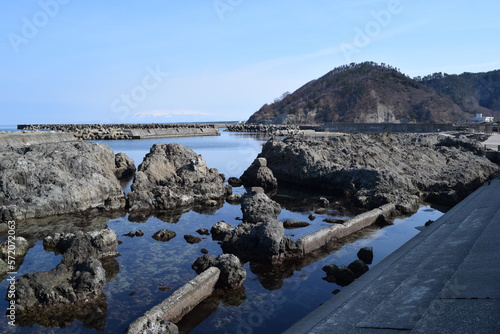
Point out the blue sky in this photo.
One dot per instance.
(70, 61)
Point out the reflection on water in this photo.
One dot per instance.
(147, 271)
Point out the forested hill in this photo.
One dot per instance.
(373, 93)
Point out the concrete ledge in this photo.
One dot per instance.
(172, 132)
(180, 302)
(18, 139)
(321, 238)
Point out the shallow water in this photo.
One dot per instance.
(148, 271)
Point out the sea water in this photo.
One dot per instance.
(148, 271)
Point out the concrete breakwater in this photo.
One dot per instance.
(126, 131)
(28, 139)
(270, 129)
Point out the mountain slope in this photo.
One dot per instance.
(367, 93)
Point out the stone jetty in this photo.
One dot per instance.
(127, 131)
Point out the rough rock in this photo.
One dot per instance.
(75, 283)
(18, 249)
(234, 198)
(232, 274)
(164, 235)
(57, 178)
(159, 327)
(234, 182)
(262, 242)
(220, 230)
(124, 167)
(259, 175)
(203, 231)
(295, 224)
(80, 246)
(192, 239)
(258, 207)
(172, 176)
(365, 254)
(378, 168)
(203, 263)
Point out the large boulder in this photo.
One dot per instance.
(259, 175)
(49, 179)
(59, 295)
(262, 242)
(377, 168)
(256, 206)
(171, 176)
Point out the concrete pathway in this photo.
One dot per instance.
(444, 280)
(493, 142)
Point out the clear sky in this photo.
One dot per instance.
(71, 61)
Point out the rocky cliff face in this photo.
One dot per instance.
(171, 176)
(374, 169)
(57, 178)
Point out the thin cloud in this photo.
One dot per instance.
(166, 113)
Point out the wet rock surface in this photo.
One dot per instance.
(172, 176)
(57, 178)
(375, 168)
(258, 207)
(262, 242)
(164, 235)
(259, 175)
(232, 274)
(73, 289)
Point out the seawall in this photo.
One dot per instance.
(128, 131)
(18, 139)
(381, 127)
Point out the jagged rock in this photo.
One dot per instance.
(220, 230)
(172, 176)
(20, 248)
(49, 179)
(232, 274)
(378, 168)
(164, 235)
(203, 263)
(258, 207)
(192, 239)
(75, 284)
(259, 175)
(203, 231)
(295, 224)
(124, 167)
(358, 267)
(234, 198)
(234, 182)
(80, 246)
(312, 217)
(365, 254)
(261, 242)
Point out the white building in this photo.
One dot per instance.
(480, 119)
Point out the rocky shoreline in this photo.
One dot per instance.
(388, 173)
(126, 131)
